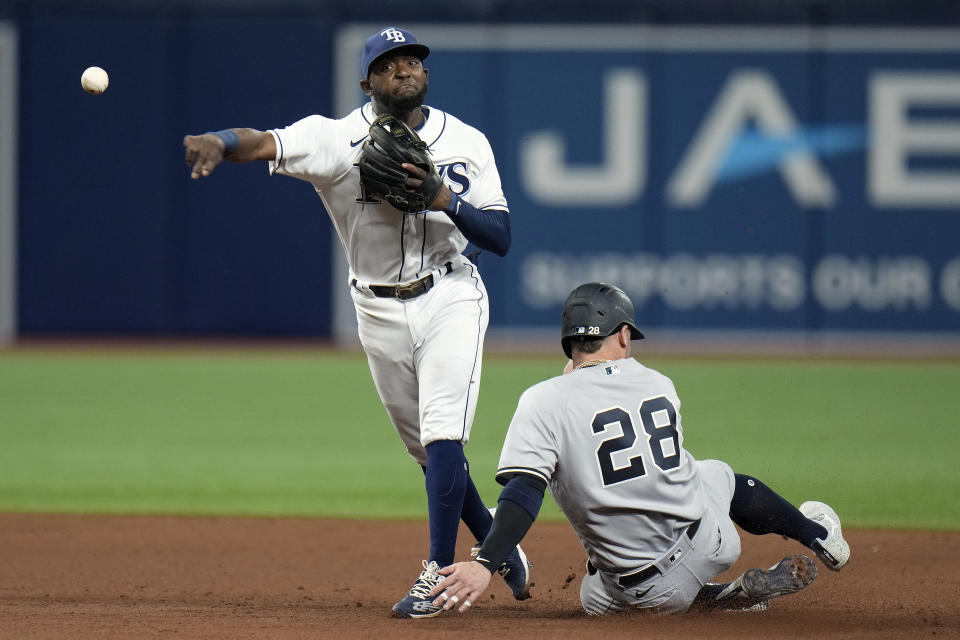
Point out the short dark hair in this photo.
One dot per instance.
(585, 344)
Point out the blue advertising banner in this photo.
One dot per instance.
(768, 178)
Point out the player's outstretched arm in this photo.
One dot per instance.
(205, 151)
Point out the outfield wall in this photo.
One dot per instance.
(770, 178)
(792, 173)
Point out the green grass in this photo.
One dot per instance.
(287, 433)
(876, 440)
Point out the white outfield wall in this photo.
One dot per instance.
(8, 182)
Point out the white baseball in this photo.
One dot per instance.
(94, 80)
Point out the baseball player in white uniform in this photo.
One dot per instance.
(421, 306)
(657, 525)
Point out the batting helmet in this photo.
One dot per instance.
(597, 310)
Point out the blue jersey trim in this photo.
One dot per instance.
(423, 245)
(403, 253)
(280, 145)
(477, 352)
(443, 127)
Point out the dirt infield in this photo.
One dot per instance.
(165, 577)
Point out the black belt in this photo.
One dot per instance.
(406, 291)
(632, 579)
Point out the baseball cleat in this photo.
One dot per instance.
(418, 603)
(790, 575)
(516, 573)
(833, 550)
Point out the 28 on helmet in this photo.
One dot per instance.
(596, 309)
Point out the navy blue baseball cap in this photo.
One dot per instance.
(386, 40)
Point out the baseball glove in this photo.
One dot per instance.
(390, 144)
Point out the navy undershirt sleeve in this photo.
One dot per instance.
(517, 508)
(489, 229)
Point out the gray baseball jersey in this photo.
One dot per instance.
(608, 441)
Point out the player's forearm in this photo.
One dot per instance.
(206, 151)
(510, 524)
(518, 507)
(251, 145)
(489, 229)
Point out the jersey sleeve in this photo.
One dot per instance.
(310, 149)
(486, 190)
(530, 447)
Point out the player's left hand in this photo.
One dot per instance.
(464, 583)
(395, 166)
(417, 176)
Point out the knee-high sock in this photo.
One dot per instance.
(757, 509)
(475, 513)
(446, 480)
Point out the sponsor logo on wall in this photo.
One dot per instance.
(724, 177)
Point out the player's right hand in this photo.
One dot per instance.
(462, 585)
(203, 153)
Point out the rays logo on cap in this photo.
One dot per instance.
(393, 35)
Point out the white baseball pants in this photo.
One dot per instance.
(425, 355)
